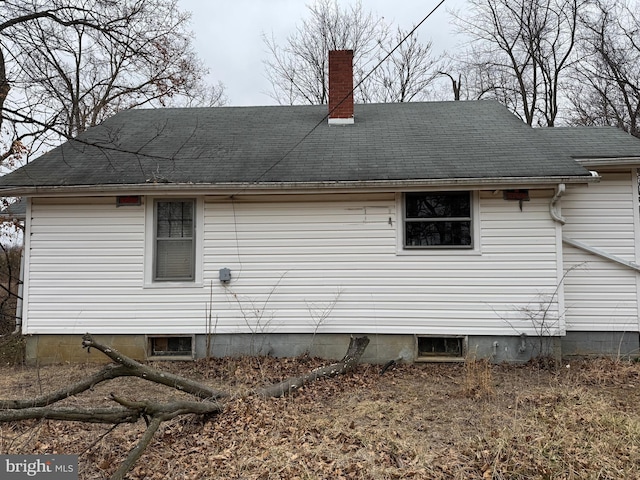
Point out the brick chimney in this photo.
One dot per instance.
(340, 87)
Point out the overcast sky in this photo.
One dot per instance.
(228, 35)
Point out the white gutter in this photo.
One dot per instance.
(608, 161)
(297, 187)
(601, 253)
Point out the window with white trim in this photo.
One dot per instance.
(438, 220)
(174, 240)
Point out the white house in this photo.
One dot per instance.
(438, 229)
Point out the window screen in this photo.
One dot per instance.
(174, 240)
(438, 219)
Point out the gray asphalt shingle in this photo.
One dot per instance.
(435, 140)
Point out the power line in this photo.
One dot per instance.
(384, 59)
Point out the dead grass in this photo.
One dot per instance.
(11, 350)
(421, 421)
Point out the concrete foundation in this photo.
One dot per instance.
(616, 344)
(513, 349)
(51, 349)
(381, 348)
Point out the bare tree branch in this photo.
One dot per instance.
(151, 374)
(65, 67)
(131, 410)
(357, 346)
(298, 70)
(521, 52)
(607, 88)
(107, 373)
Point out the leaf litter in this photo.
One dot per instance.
(420, 421)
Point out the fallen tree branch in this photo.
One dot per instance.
(390, 364)
(159, 412)
(357, 346)
(151, 374)
(130, 411)
(114, 415)
(138, 450)
(107, 373)
(172, 409)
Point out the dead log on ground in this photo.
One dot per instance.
(151, 374)
(159, 413)
(357, 346)
(131, 411)
(112, 415)
(107, 373)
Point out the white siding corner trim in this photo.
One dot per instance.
(26, 269)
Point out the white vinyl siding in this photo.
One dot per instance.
(85, 258)
(601, 295)
(291, 261)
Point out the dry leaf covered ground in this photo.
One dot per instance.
(422, 421)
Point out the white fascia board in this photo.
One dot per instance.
(609, 162)
(299, 187)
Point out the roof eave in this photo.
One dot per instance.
(296, 187)
(609, 161)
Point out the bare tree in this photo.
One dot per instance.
(66, 65)
(298, 70)
(456, 83)
(9, 286)
(608, 80)
(407, 75)
(520, 53)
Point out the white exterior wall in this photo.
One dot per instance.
(291, 261)
(601, 295)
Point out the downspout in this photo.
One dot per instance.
(18, 328)
(552, 205)
(555, 215)
(18, 316)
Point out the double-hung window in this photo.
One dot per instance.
(438, 220)
(174, 240)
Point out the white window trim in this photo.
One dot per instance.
(149, 245)
(440, 251)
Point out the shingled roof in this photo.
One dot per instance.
(441, 141)
(583, 143)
